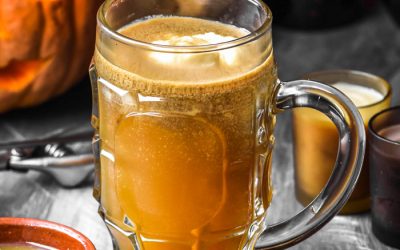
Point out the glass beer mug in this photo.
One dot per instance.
(185, 97)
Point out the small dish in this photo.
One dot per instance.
(48, 234)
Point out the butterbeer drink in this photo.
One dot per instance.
(316, 138)
(184, 136)
(185, 95)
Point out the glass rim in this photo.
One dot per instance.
(254, 35)
(374, 133)
(377, 78)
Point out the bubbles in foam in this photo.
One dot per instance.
(220, 58)
(195, 40)
(161, 72)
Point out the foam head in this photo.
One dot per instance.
(358, 94)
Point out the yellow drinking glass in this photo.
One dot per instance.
(316, 138)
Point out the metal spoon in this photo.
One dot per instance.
(49, 156)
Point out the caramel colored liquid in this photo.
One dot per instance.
(392, 133)
(23, 246)
(185, 163)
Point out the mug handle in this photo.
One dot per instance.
(327, 204)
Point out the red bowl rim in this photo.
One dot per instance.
(53, 226)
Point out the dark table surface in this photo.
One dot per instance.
(371, 44)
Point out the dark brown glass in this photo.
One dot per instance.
(384, 156)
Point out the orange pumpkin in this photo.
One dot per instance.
(45, 47)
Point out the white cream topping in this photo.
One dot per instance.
(225, 57)
(360, 95)
(194, 40)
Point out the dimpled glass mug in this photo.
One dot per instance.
(185, 95)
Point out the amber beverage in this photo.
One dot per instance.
(21, 246)
(178, 150)
(316, 137)
(185, 96)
